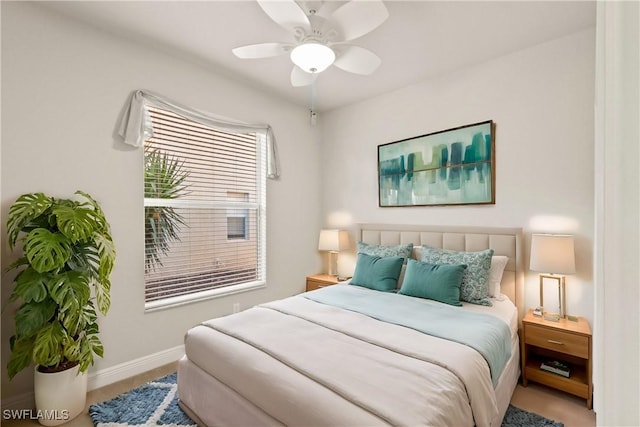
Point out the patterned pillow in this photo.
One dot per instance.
(475, 280)
(403, 251)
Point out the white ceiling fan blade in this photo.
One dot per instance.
(357, 18)
(261, 50)
(301, 78)
(286, 14)
(358, 60)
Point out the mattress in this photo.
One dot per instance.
(301, 362)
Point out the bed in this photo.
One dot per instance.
(348, 355)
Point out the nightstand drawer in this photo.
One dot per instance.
(564, 342)
(313, 285)
(316, 281)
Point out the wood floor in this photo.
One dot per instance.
(571, 411)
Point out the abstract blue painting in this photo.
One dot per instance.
(450, 167)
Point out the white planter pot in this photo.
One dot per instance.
(60, 396)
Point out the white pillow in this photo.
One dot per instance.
(401, 277)
(498, 263)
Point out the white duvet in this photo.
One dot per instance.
(308, 364)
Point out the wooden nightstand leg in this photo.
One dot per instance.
(523, 359)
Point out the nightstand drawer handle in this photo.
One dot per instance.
(555, 342)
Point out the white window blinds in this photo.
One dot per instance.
(204, 209)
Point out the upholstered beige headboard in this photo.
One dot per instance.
(504, 241)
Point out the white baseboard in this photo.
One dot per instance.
(134, 367)
(107, 376)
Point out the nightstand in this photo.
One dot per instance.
(566, 341)
(316, 281)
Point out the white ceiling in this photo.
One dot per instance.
(419, 40)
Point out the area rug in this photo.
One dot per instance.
(516, 417)
(156, 404)
(152, 404)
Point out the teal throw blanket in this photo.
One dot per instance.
(487, 334)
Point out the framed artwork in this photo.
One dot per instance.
(449, 167)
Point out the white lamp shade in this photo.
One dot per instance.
(552, 253)
(313, 57)
(333, 240)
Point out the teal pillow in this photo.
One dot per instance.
(403, 251)
(379, 273)
(439, 282)
(475, 281)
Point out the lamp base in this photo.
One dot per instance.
(333, 264)
(562, 297)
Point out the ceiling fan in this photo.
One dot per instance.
(321, 38)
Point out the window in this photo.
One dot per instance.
(204, 210)
(237, 219)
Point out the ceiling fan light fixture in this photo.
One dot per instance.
(313, 57)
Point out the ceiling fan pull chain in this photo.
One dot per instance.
(314, 115)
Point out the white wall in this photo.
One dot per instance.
(64, 86)
(616, 345)
(541, 100)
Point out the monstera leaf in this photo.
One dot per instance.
(33, 316)
(106, 255)
(46, 251)
(49, 340)
(25, 209)
(21, 354)
(77, 223)
(30, 286)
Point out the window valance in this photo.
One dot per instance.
(135, 126)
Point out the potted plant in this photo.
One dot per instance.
(63, 277)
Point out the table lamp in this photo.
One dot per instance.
(333, 241)
(553, 256)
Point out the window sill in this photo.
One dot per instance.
(201, 296)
